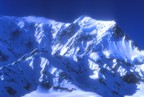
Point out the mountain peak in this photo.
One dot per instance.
(88, 55)
(85, 19)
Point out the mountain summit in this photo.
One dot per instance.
(87, 55)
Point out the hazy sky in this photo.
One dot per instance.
(129, 14)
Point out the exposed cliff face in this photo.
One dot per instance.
(89, 54)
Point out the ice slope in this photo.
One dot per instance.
(87, 55)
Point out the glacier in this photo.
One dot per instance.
(44, 57)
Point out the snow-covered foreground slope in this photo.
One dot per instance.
(87, 57)
(44, 93)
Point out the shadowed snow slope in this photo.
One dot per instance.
(88, 56)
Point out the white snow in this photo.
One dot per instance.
(44, 93)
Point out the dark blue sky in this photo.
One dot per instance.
(129, 14)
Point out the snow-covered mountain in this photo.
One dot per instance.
(39, 54)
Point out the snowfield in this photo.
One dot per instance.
(61, 94)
